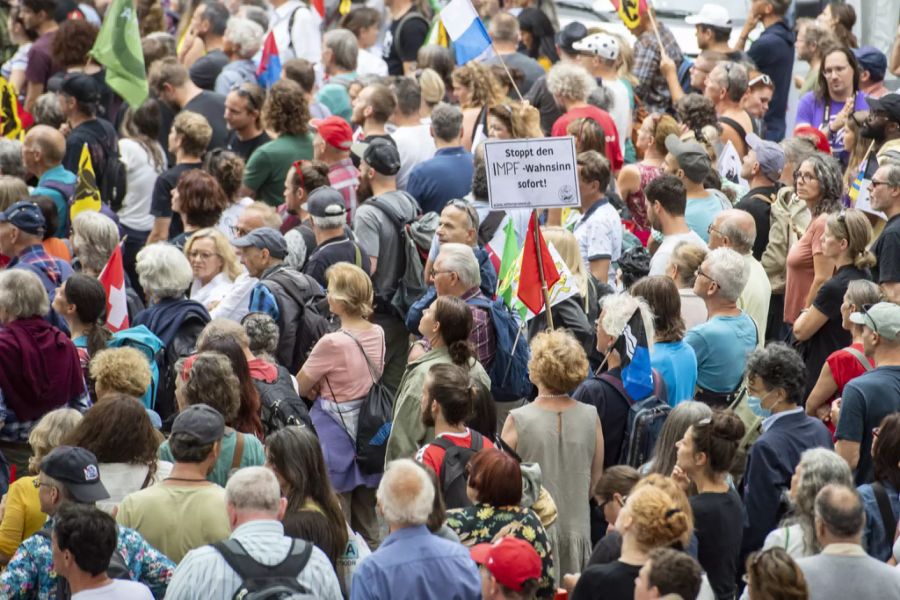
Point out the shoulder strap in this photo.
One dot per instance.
(860, 357)
(412, 14)
(767, 199)
(884, 507)
(443, 443)
(490, 225)
(248, 567)
(290, 28)
(366, 356)
(734, 125)
(618, 385)
(238, 450)
(477, 440)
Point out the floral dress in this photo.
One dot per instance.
(483, 523)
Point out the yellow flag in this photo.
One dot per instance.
(87, 195)
(10, 123)
(344, 7)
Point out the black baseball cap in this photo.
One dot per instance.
(83, 88)
(325, 202)
(568, 35)
(380, 154)
(889, 103)
(26, 215)
(78, 469)
(200, 421)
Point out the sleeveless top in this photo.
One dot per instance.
(635, 200)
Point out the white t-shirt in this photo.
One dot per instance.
(141, 174)
(116, 589)
(415, 145)
(620, 110)
(599, 235)
(660, 260)
(369, 63)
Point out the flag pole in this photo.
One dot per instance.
(655, 28)
(508, 74)
(540, 266)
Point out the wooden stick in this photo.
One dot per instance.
(508, 74)
(540, 265)
(655, 28)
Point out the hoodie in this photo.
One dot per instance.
(773, 53)
(165, 318)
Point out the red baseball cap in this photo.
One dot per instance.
(510, 560)
(335, 131)
(820, 140)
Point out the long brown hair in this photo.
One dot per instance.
(662, 295)
(247, 419)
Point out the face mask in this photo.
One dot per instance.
(754, 403)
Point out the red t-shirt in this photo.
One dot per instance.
(613, 152)
(433, 456)
(845, 367)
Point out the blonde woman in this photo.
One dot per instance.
(338, 374)
(577, 312)
(477, 90)
(215, 266)
(513, 120)
(433, 91)
(21, 514)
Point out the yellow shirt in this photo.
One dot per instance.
(23, 516)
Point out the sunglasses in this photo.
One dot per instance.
(865, 309)
(763, 79)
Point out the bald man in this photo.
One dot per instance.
(736, 229)
(42, 153)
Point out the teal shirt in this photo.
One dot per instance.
(269, 165)
(254, 455)
(701, 212)
(62, 175)
(721, 346)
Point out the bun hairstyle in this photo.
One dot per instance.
(853, 225)
(658, 520)
(455, 320)
(451, 388)
(718, 437)
(679, 499)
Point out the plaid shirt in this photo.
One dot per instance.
(36, 256)
(482, 337)
(344, 177)
(652, 88)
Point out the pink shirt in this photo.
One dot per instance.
(337, 357)
(800, 269)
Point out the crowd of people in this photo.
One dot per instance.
(309, 382)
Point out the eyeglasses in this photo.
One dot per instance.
(699, 273)
(804, 176)
(435, 272)
(711, 229)
(38, 484)
(763, 79)
(855, 117)
(876, 182)
(865, 309)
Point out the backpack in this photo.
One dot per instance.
(645, 420)
(509, 371)
(411, 280)
(142, 339)
(264, 582)
(301, 325)
(409, 16)
(117, 568)
(453, 469)
(280, 405)
(374, 425)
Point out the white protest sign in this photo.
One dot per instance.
(863, 201)
(532, 173)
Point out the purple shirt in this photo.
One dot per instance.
(811, 110)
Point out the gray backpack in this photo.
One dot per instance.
(264, 582)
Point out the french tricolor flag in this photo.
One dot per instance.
(269, 70)
(466, 30)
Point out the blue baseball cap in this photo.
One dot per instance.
(873, 60)
(25, 215)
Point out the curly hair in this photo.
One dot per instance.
(49, 433)
(72, 42)
(121, 370)
(486, 90)
(210, 380)
(570, 82)
(679, 498)
(522, 120)
(557, 362)
(228, 169)
(828, 175)
(773, 575)
(285, 110)
(118, 430)
(195, 132)
(658, 520)
(699, 115)
(779, 367)
(200, 198)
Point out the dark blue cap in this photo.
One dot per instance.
(26, 215)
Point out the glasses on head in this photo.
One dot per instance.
(763, 79)
(866, 308)
(245, 91)
(470, 211)
(804, 176)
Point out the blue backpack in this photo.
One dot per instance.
(509, 373)
(142, 339)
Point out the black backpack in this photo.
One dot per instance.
(305, 293)
(117, 569)
(645, 420)
(280, 405)
(264, 582)
(453, 470)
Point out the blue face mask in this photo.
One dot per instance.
(754, 403)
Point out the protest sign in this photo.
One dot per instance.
(532, 173)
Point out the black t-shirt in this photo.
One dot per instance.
(614, 581)
(207, 68)
(335, 250)
(761, 211)
(613, 411)
(718, 523)
(211, 106)
(887, 250)
(102, 142)
(161, 205)
(404, 48)
(246, 147)
(831, 336)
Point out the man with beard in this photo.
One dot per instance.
(37, 16)
(380, 239)
(243, 112)
(666, 201)
(372, 108)
(886, 198)
(883, 127)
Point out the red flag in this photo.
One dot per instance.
(319, 5)
(530, 292)
(113, 279)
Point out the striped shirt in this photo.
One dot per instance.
(204, 574)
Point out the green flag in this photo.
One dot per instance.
(118, 48)
(507, 260)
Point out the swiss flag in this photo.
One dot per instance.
(113, 279)
(530, 291)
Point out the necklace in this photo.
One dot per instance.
(549, 396)
(184, 479)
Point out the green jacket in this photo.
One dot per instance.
(407, 432)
